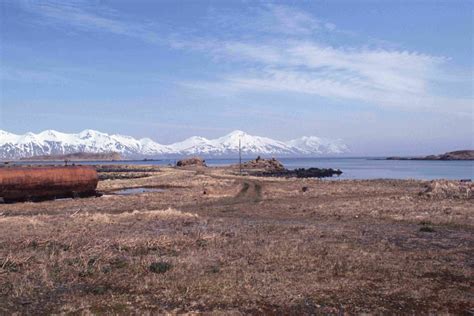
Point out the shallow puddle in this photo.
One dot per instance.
(132, 191)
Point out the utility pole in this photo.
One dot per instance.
(240, 156)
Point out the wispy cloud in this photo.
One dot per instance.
(382, 77)
(271, 19)
(31, 76)
(83, 16)
(298, 60)
(284, 49)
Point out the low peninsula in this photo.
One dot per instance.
(453, 155)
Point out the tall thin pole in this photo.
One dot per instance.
(240, 156)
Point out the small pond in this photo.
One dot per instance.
(132, 191)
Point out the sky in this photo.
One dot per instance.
(387, 77)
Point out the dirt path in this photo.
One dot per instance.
(251, 192)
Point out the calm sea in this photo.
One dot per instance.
(357, 168)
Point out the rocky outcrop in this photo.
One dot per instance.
(273, 168)
(191, 162)
(458, 155)
(263, 164)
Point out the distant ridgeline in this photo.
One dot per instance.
(76, 157)
(51, 142)
(453, 155)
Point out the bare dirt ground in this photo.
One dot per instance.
(215, 242)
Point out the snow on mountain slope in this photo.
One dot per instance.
(51, 142)
(251, 144)
(6, 137)
(229, 145)
(55, 143)
(315, 145)
(193, 145)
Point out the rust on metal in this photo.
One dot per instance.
(36, 183)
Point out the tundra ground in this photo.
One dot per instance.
(213, 241)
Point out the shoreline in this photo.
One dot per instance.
(355, 168)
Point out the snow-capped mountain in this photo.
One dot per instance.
(56, 143)
(229, 144)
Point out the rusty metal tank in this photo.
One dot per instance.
(38, 183)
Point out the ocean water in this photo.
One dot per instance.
(379, 168)
(353, 168)
(370, 168)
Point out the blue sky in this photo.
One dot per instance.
(388, 77)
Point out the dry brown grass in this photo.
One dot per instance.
(249, 245)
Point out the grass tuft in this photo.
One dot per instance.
(160, 267)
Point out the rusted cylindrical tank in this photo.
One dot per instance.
(37, 183)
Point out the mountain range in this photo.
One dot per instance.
(51, 142)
